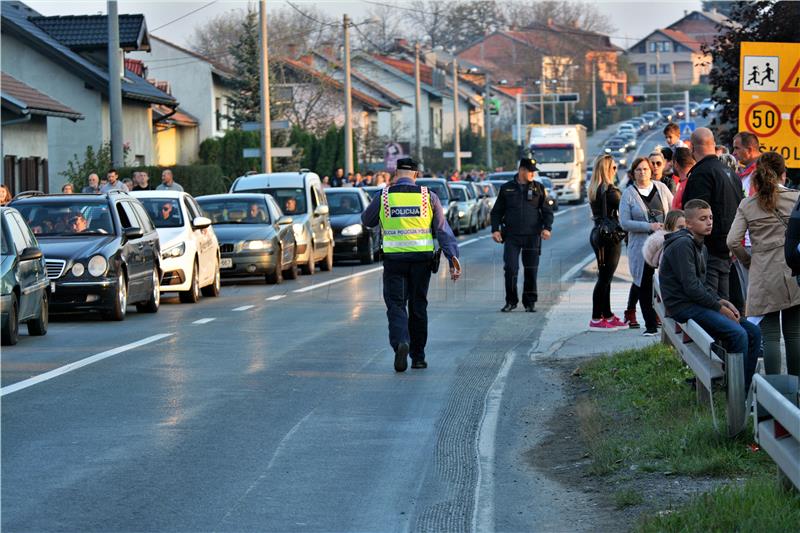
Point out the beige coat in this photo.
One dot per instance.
(771, 287)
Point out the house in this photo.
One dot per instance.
(74, 73)
(674, 54)
(563, 57)
(25, 113)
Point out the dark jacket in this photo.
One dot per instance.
(682, 274)
(790, 248)
(710, 180)
(514, 214)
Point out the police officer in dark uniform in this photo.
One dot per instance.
(521, 218)
(410, 217)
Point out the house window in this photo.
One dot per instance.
(666, 68)
(653, 46)
(138, 160)
(642, 69)
(653, 69)
(665, 46)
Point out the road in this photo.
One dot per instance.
(276, 408)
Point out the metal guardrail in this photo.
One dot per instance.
(776, 424)
(709, 362)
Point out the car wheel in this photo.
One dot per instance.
(192, 296)
(293, 271)
(276, 277)
(152, 304)
(327, 263)
(38, 326)
(11, 327)
(120, 305)
(369, 256)
(310, 266)
(213, 289)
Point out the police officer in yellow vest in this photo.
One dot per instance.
(410, 217)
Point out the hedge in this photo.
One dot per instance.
(197, 180)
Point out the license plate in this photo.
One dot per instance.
(226, 262)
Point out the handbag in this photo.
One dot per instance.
(609, 230)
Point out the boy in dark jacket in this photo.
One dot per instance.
(681, 276)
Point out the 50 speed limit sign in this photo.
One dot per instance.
(763, 119)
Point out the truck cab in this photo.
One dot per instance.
(560, 154)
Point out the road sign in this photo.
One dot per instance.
(274, 125)
(687, 127)
(464, 155)
(768, 97)
(275, 152)
(569, 97)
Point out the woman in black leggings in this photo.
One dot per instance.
(604, 200)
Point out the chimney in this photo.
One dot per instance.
(291, 50)
(550, 23)
(326, 49)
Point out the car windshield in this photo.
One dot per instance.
(459, 194)
(437, 187)
(292, 201)
(165, 212)
(235, 211)
(488, 189)
(344, 203)
(546, 154)
(67, 218)
(4, 241)
(545, 181)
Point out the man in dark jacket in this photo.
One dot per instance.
(792, 247)
(521, 218)
(711, 181)
(681, 275)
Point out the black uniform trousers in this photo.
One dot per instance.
(405, 291)
(529, 246)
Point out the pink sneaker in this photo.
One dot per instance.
(616, 322)
(601, 325)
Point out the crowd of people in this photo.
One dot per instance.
(720, 230)
(384, 178)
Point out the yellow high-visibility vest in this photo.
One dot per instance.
(406, 219)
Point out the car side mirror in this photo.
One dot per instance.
(285, 221)
(132, 233)
(321, 210)
(31, 253)
(201, 222)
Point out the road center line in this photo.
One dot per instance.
(275, 298)
(337, 280)
(243, 308)
(204, 321)
(24, 384)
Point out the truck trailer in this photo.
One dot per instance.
(560, 154)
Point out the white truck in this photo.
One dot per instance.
(560, 154)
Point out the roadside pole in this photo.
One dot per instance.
(456, 130)
(348, 103)
(266, 138)
(486, 105)
(417, 105)
(114, 85)
(594, 96)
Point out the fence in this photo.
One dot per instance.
(776, 422)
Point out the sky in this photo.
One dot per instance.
(633, 19)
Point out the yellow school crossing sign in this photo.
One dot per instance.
(769, 97)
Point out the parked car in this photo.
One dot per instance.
(371, 190)
(23, 279)
(680, 112)
(694, 108)
(483, 206)
(489, 195)
(707, 106)
(102, 251)
(189, 247)
(640, 123)
(255, 237)
(616, 147)
(629, 138)
(353, 239)
(653, 118)
(468, 208)
(668, 114)
(299, 195)
(441, 188)
(552, 199)
(627, 128)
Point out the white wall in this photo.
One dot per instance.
(26, 139)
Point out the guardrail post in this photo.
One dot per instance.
(735, 405)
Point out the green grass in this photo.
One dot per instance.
(757, 505)
(627, 498)
(643, 413)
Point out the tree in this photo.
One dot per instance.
(723, 6)
(579, 15)
(428, 17)
(764, 21)
(245, 102)
(466, 22)
(380, 36)
(218, 36)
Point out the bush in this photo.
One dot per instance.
(197, 180)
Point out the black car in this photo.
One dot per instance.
(352, 239)
(255, 238)
(101, 250)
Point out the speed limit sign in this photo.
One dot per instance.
(763, 118)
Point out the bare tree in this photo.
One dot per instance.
(381, 34)
(429, 16)
(215, 38)
(579, 15)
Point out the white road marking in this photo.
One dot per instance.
(567, 210)
(204, 321)
(577, 268)
(24, 384)
(243, 308)
(338, 280)
(483, 512)
(275, 298)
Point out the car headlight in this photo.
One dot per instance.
(98, 265)
(352, 230)
(461, 214)
(258, 245)
(78, 270)
(174, 251)
(607, 150)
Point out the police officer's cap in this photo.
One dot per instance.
(407, 164)
(527, 162)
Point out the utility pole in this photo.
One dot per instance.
(487, 106)
(114, 85)
(348, 103)
(564, 90)
(417, 104)
(519, 120)
(456, 130)
(658, 79)
(541, 97)
(594, 96)
(266, 139)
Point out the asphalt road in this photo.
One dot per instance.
(276, 408)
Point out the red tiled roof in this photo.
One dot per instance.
(135, 65)
(682, 38)
(407, 67)
(35, 102)
(358, 95)
(362, 78)
(181, 118)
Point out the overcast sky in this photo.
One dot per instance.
(633, 20)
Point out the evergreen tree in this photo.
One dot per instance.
(245, 102)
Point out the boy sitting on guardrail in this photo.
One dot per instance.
(682, 276)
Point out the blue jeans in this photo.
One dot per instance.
(744, 337)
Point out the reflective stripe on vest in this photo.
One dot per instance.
(406, 219)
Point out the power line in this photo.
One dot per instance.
(184, 16)
(309, 17)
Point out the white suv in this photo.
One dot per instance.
(189, 247)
